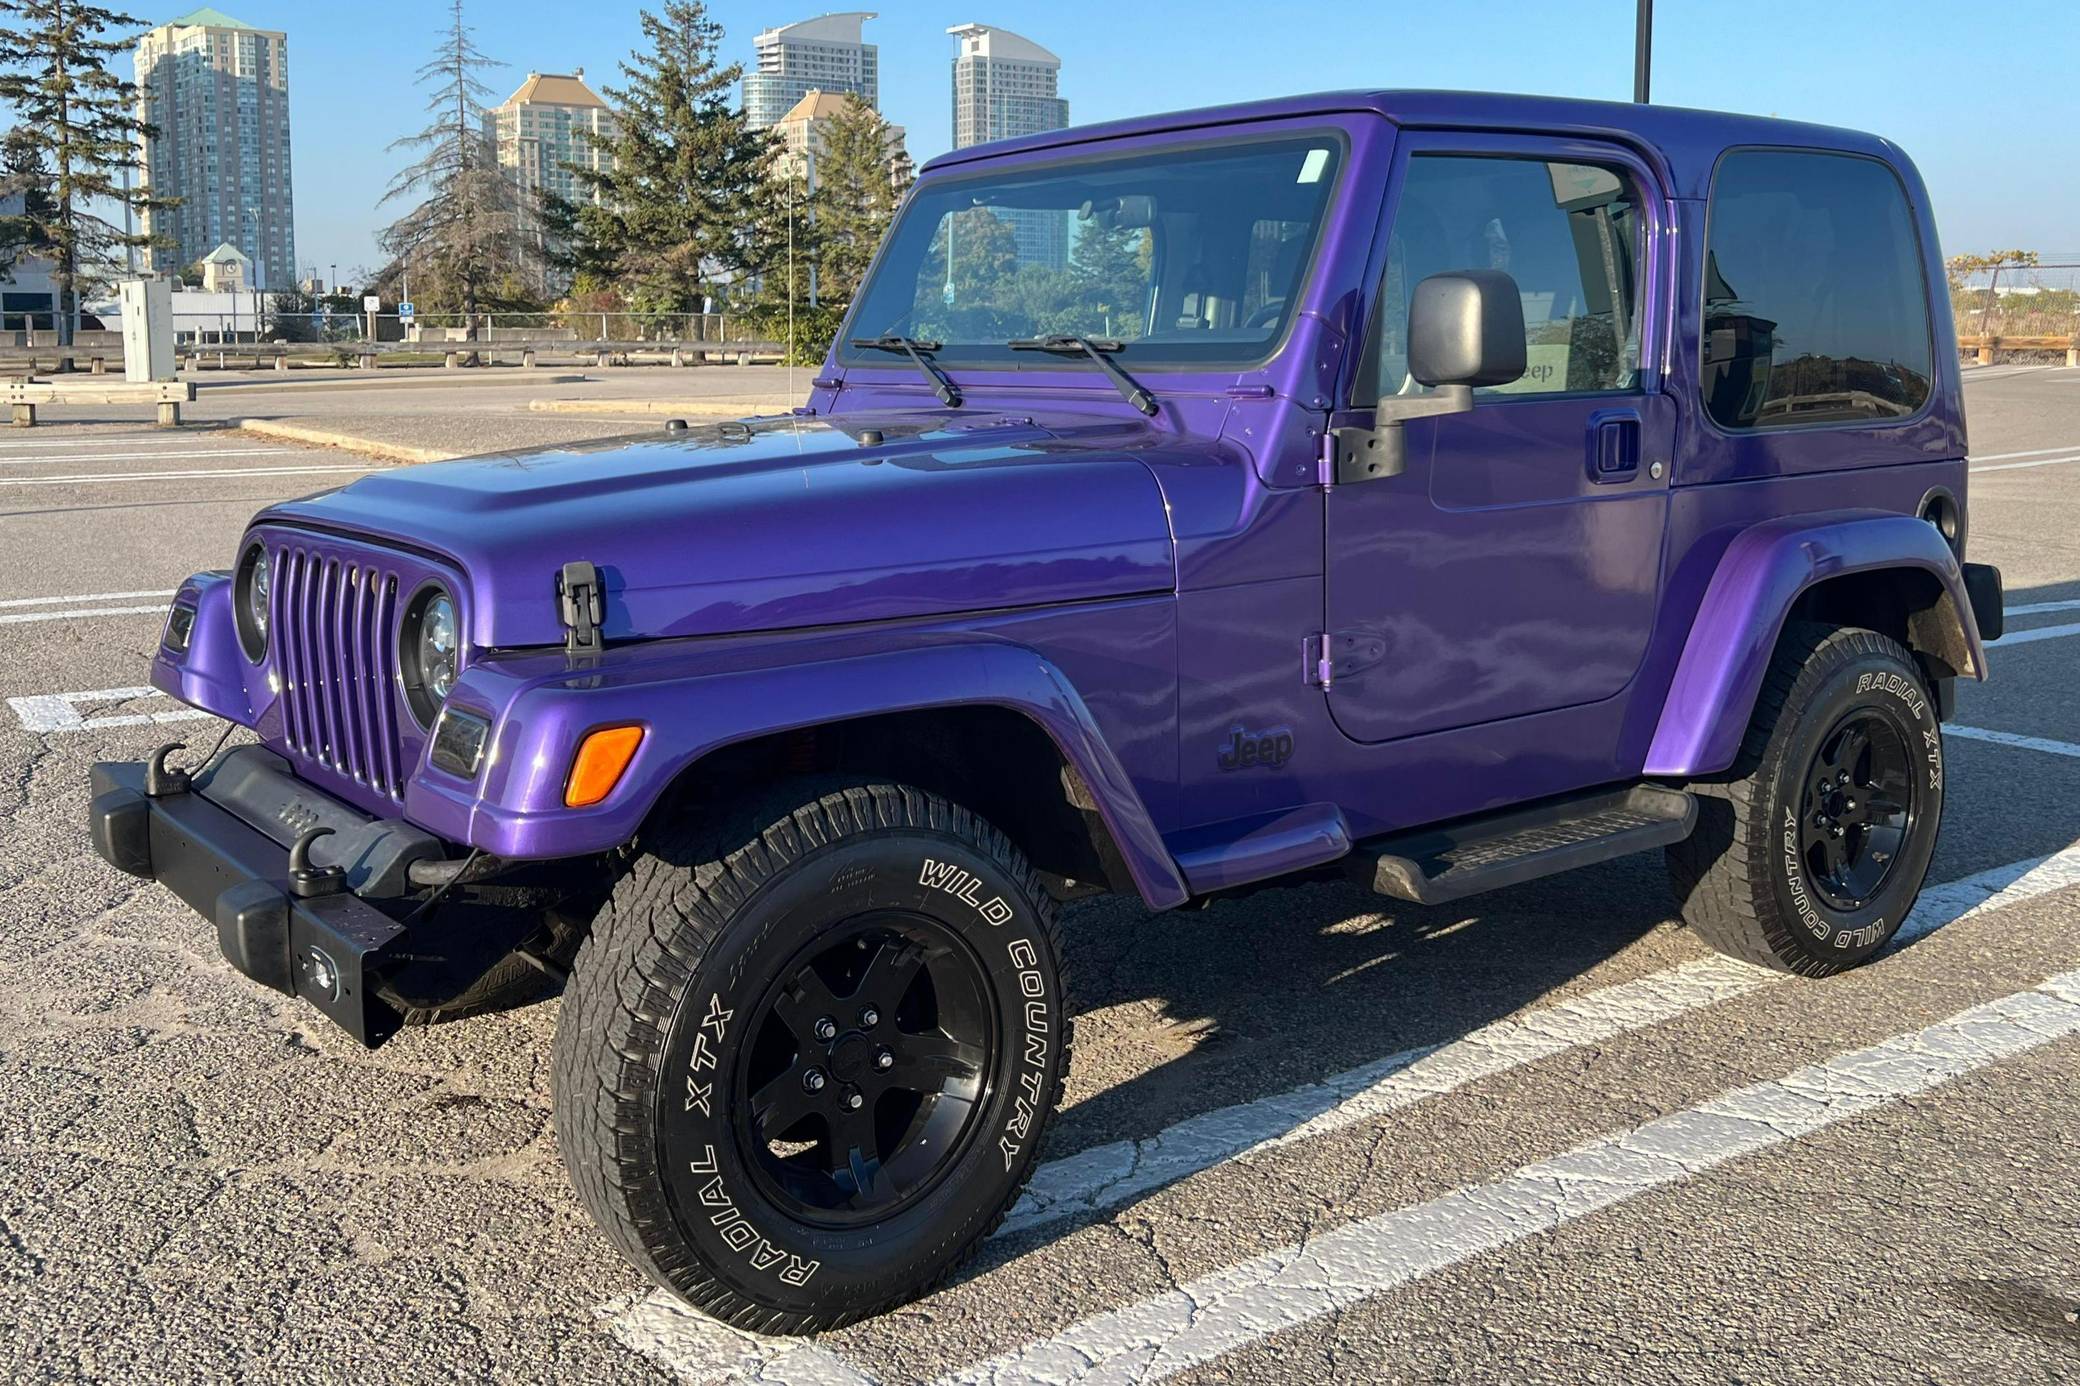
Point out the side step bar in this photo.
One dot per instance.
(1435, 865)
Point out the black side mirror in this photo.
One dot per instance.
(1466, 328)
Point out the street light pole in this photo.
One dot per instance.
(1643, 51)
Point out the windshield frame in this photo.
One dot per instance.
(956, 357)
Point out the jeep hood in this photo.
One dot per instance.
(780, 524)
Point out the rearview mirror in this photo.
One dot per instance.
(1466, 328)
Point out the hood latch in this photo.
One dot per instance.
(581, 604)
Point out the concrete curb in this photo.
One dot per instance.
(736, 407)
(346, 442)
(374, 380)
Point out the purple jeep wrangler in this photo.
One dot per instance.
(1447, 490)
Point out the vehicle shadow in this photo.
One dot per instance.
(1187, 1011)
(1182, 1013)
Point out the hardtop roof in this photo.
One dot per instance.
(1688, 141)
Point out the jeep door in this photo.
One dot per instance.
(1514, 566)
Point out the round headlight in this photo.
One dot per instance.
(432, 653)
(437, 647)
(249, 604)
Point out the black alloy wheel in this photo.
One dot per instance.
(869, 1062)
(1859, 807)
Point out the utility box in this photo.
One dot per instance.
(147, 329)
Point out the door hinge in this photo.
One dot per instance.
(581, 605)
(1332, 655)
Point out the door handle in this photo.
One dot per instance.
(1613, 446)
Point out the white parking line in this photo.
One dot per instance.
(15, 618)
(91, 478)
(99, 441)
(700, 1349)
(2040, 608)
(47, 713)
(2001, 738)
(97, 597)
(2019, 466)
(2026, 452)
(1247, 1303)
(2024, 637)
(1081, 1185)
(91, 459)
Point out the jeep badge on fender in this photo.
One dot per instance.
(1443, 488)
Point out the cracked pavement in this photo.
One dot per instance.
(1311, 1135)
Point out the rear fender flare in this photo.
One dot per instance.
(1759, 579)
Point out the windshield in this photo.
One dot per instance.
(1187, 256)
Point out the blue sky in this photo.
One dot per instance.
(1986, 99)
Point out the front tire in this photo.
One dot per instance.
(1809, 855)
(806, 1056)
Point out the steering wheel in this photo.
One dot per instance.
(1267, 313)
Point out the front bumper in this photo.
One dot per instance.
(339, 949)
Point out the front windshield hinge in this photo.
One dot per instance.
(581, 605)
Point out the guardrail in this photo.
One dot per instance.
(100, 359)
(1988, 347)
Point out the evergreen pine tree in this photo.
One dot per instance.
(24, 174)
(684, 204)
(77, 120)
(855, 197)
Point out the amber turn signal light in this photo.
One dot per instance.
(597, 768)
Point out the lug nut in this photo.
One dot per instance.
(813, 1080)
(870, 1017)
(826, 1029)
(853, 1100)
(884, 1060)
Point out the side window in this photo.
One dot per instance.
(1815, 306)
(1569, 234)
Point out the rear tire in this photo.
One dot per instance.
(807, 1054)
(1809, 854)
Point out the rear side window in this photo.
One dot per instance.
(1815, 307)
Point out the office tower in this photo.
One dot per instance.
(823, 54)
(217, 89)
(550, 124)
(1005, 86)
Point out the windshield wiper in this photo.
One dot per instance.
(1099, 349)
(918, 350)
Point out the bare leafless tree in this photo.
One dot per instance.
(465, 234)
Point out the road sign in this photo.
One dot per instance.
(405, 310)
(371, 304)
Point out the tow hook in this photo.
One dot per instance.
(161, 779)
(307, 881)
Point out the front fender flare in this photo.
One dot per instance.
(696, 697)
(1759, 577)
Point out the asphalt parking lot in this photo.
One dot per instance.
(1311, 1135)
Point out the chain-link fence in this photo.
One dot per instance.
(2019, 311)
